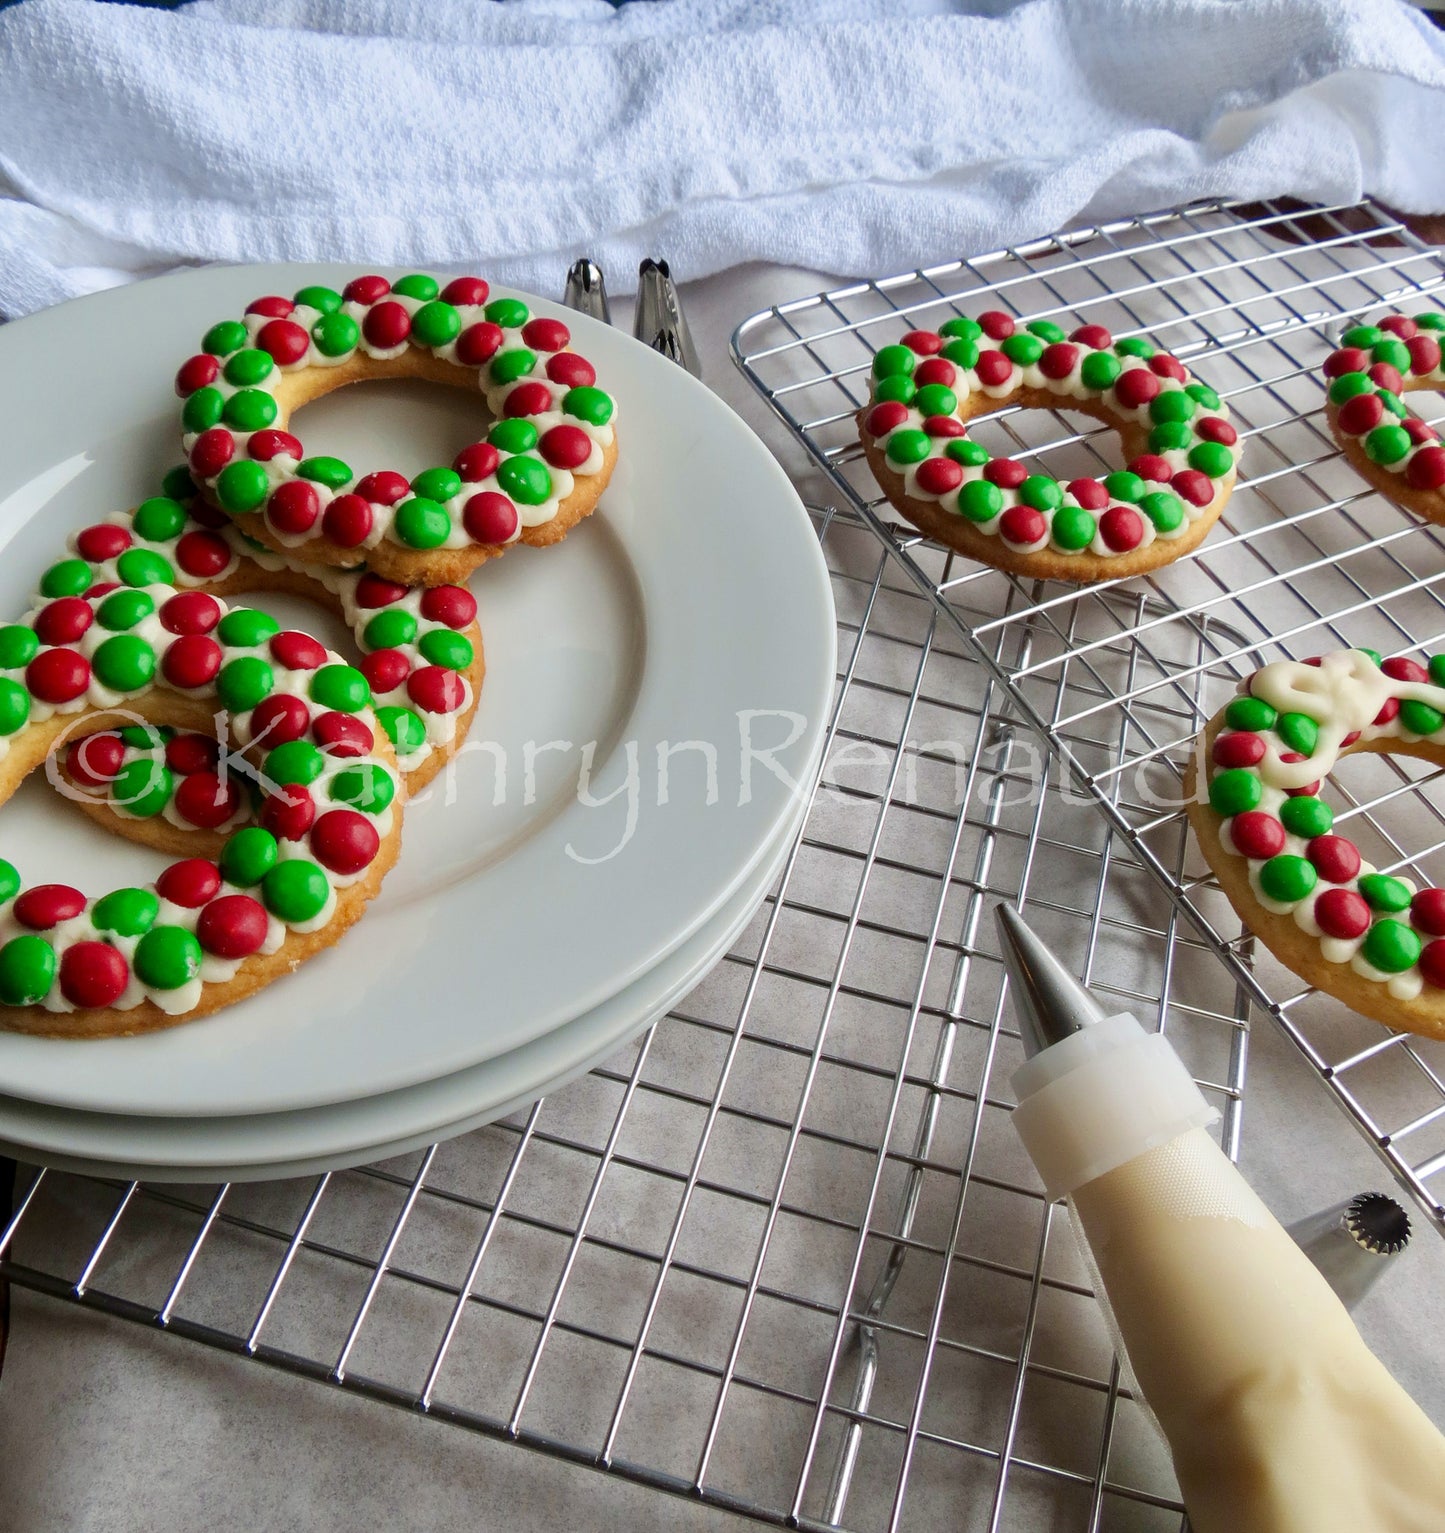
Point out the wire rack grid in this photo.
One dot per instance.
(1119, 677)
(782, 1254)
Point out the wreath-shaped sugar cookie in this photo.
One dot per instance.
(1181, 449)
(1374, 366)
(1371, 939)
(539, 470)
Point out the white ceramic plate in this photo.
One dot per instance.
(694, 605)
(254, 1148)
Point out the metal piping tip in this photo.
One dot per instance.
(1351, 1244)
(658, 320)
(586, 291)
(1049, 1002)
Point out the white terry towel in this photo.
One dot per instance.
(850, 136)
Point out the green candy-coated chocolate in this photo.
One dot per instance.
(1212, 458)
(167, 957)
(1387, 444)
(403, 728)
(1122, 485)
(509, 313)
(1099, 370)
(390, 629)
(297, 761)
(249, 367)
(1251, 713)
(18, 645)
(589, 404)
(9, 881)
(1287, 878)
(1135, 346)
(526, 480)
(1307, 817)
(144, 567)
(250, 410)
(341, 687)
(332, 472)
(243, 683)
(1172, 436)
(296, 890)
(893, 360)
(508, 366)
(443, 647)
(1393, 352)
(434, 324)
(1171, 405)
(962, 353)
(964, 450)
(325, 299)
(908, 446)
(980, 501)
(1073, 527)
(1235, 791)
(127, 912)
(1420, 718)
(1298, 731)
(1384, 893)
(1164, 509)
(1046, 330)
(242, 487)
(367, 787)
(158, 519)
(336, 334)
(27, 970)
(897, 389)
(1347, 385)
(224, 338)
(1430, 321)
(422, 523)
(515, 435)
(1202, 394)
(246, 628)
(438, 484)
(144, 737)
(248, 856)
(1436, 666)
(14, 706)
(203, 409)
(420, 286)
(125, 663)
(1362, 336)
(1392, 947)
(1022, 349)
(143, 787)
(1042, 493)
(962, 328)
(67, 578)
(936, 399)
(124, 609)
(1392, 402)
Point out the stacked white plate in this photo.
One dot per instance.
(653, 715)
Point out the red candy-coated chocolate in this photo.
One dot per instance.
(1213, 429)
(1095, 336)
(1089, 493)
(1400, 325)
(233, 926)
(95, 760)
(1432, 964)
(271, 443)
(476, 462)
(1151, 466)
(93, 974)
(1023, 525)
(565, 446)
(1419, 431)
(294, 507)
(466, 291)
(344, 841)
(348, 520)
(1241, 749)
(1426, 469)
(1424, 354)
(289, 812)
(1135, 387)
(385, 670)
(365, 289)
(386, 325)
(1348, 359)
(927, 343)
(943, 425)
(1165, 366)
(490, 518)
(1257, 835)
(936, 370)
(1005, 473)
(47, 905)
(196, 372)
(1402, 668)
(546, 334)
(278, 719)
(211, 452)
(384, 488)
(1058, 360)
(63, 621)
(342, 734)
(189, 884)
(190, 612)
(453, 605)
(1194, 486)
(937, 476)
(100, 588)
(1362, 413)
(1342, 913)
(271, 307)
(207, 800)
(286, 341)
(993, 369)
(192, 661)
(1383, 376)
(203, 554)
(373, 591)
(1427, 911)
(1122, 528)
(1389, 712)
(57, 675)
(530, 398)
(298, 651)
(435, 689)
(479, 343)
(574, 371)
(103, 541)
(887, 416)
(187, 753)
(996, 325)
(1337, 860)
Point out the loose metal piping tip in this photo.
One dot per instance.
(1049, 1003)
(586, 291)
(1351, 1244)
(658, 321)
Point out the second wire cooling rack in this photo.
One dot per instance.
(1307, 557)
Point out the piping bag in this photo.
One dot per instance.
(1278, 1416)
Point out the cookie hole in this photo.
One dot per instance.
(1066, 444)
(1393, 809)
(405, 424)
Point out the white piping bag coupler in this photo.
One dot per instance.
(1278, 1416)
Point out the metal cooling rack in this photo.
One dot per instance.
(784, 1253)
(1118, 677)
